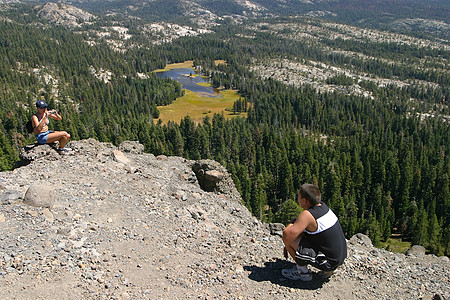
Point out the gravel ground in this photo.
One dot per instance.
(128, 225)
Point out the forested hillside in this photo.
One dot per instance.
(380, 157)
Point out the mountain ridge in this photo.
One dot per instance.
(350, 9)
(124, 224)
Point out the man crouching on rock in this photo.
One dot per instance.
(315, 238)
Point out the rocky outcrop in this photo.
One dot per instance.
(35, 151)
(63, 14)
(144, 228)
(213, 177)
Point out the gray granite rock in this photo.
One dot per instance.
(416, 250)
(40, 194)
(10, 197)
(361, 239)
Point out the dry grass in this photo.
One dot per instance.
(396, 245)
(198, 107)
(186, 64)
(219, 62)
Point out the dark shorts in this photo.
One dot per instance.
(306, 255)
(41, 138)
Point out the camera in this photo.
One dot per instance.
(51, 112)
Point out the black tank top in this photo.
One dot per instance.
(329, 237)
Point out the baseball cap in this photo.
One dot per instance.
(41, 104)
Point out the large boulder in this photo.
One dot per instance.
(416, 250)
(361, 239)
(208, 174)
(40, 194)
(276, 229)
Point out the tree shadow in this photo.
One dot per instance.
(272, 272)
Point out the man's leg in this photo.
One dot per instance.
(305, 254)
(292, 247)
(300, 271)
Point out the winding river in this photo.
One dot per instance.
(190, 81)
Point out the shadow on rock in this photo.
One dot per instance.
(272, 272)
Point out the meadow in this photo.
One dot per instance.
(196, 105)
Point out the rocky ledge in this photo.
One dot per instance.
(109, 222)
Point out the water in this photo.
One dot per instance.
(190, 83)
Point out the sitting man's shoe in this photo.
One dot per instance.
(295, 274)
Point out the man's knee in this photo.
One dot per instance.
(285, 239)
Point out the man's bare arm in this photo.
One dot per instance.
(292, 233)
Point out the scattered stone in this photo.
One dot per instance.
(197, 213)
(33, 152)
(33, 213)
(130, 169)
(48, 215)
(10, 197)
(132, 147)
(438, 297)
(120, 157)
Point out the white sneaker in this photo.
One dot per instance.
(295, 274)
(64, 150)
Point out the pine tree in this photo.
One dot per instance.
(420, 235)
(374, 230)
(434, 236)
(258, 200)
(288, 211)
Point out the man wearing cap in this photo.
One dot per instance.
(40, 122)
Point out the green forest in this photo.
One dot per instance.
(381, 165)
